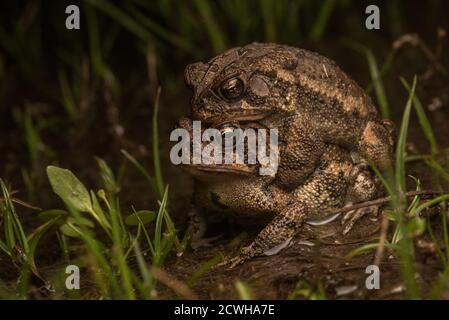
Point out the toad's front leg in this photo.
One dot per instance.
(275, 236)
(324, 190)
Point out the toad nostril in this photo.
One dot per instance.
(197, 109)
(198, 104)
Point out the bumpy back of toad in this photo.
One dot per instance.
(340, 109)
(259, 80)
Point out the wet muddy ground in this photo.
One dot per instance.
(318, 256)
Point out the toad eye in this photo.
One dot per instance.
(232, 89)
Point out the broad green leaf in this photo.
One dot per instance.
(416, 226)
(67, 186)
(51, 214)
(145, 217)
(81, 221)
(70, 230)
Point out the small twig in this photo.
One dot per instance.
(415, 40)
(441, 34)
(383, 200)
(153, 79)
(383, 237)
(26, 205)
(173, 283)
(346, 243)
(23, 204)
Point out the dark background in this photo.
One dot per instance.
(69, 95)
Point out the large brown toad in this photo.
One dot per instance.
(328, 129)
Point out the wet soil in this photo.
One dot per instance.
(318, 256)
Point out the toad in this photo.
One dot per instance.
(329, 130)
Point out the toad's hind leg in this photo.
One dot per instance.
(324, 190)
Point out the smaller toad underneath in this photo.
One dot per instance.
(328, 130)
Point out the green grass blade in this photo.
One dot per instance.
(445, 235)
(97, 250)
(110, 184)
(14, 227)
(385, 179)
(203, 268)
(171, 230)
(156, 157)
(141, 169)
(33, 139)
(440, 285)
(432, 202)
(145, 232)
(121, 17)
(163, 33)
(367, 247)
(144, 271)
(405, 244)
(67, 99)
(436, 242)
(378, 84)
(323, 18)
(98, 64)
(424, 121)
(243, 290)
(383, 70)
(4, 248)
(268, 7)
(35, 236)
(118, 254)
(438, 169)
(158, 231)
(216, 36)
(99, 215)
(402, 139)
(7, 221)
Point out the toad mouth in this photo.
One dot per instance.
(254, 119)
(247, 122)
(222, 168)
(223, 127)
